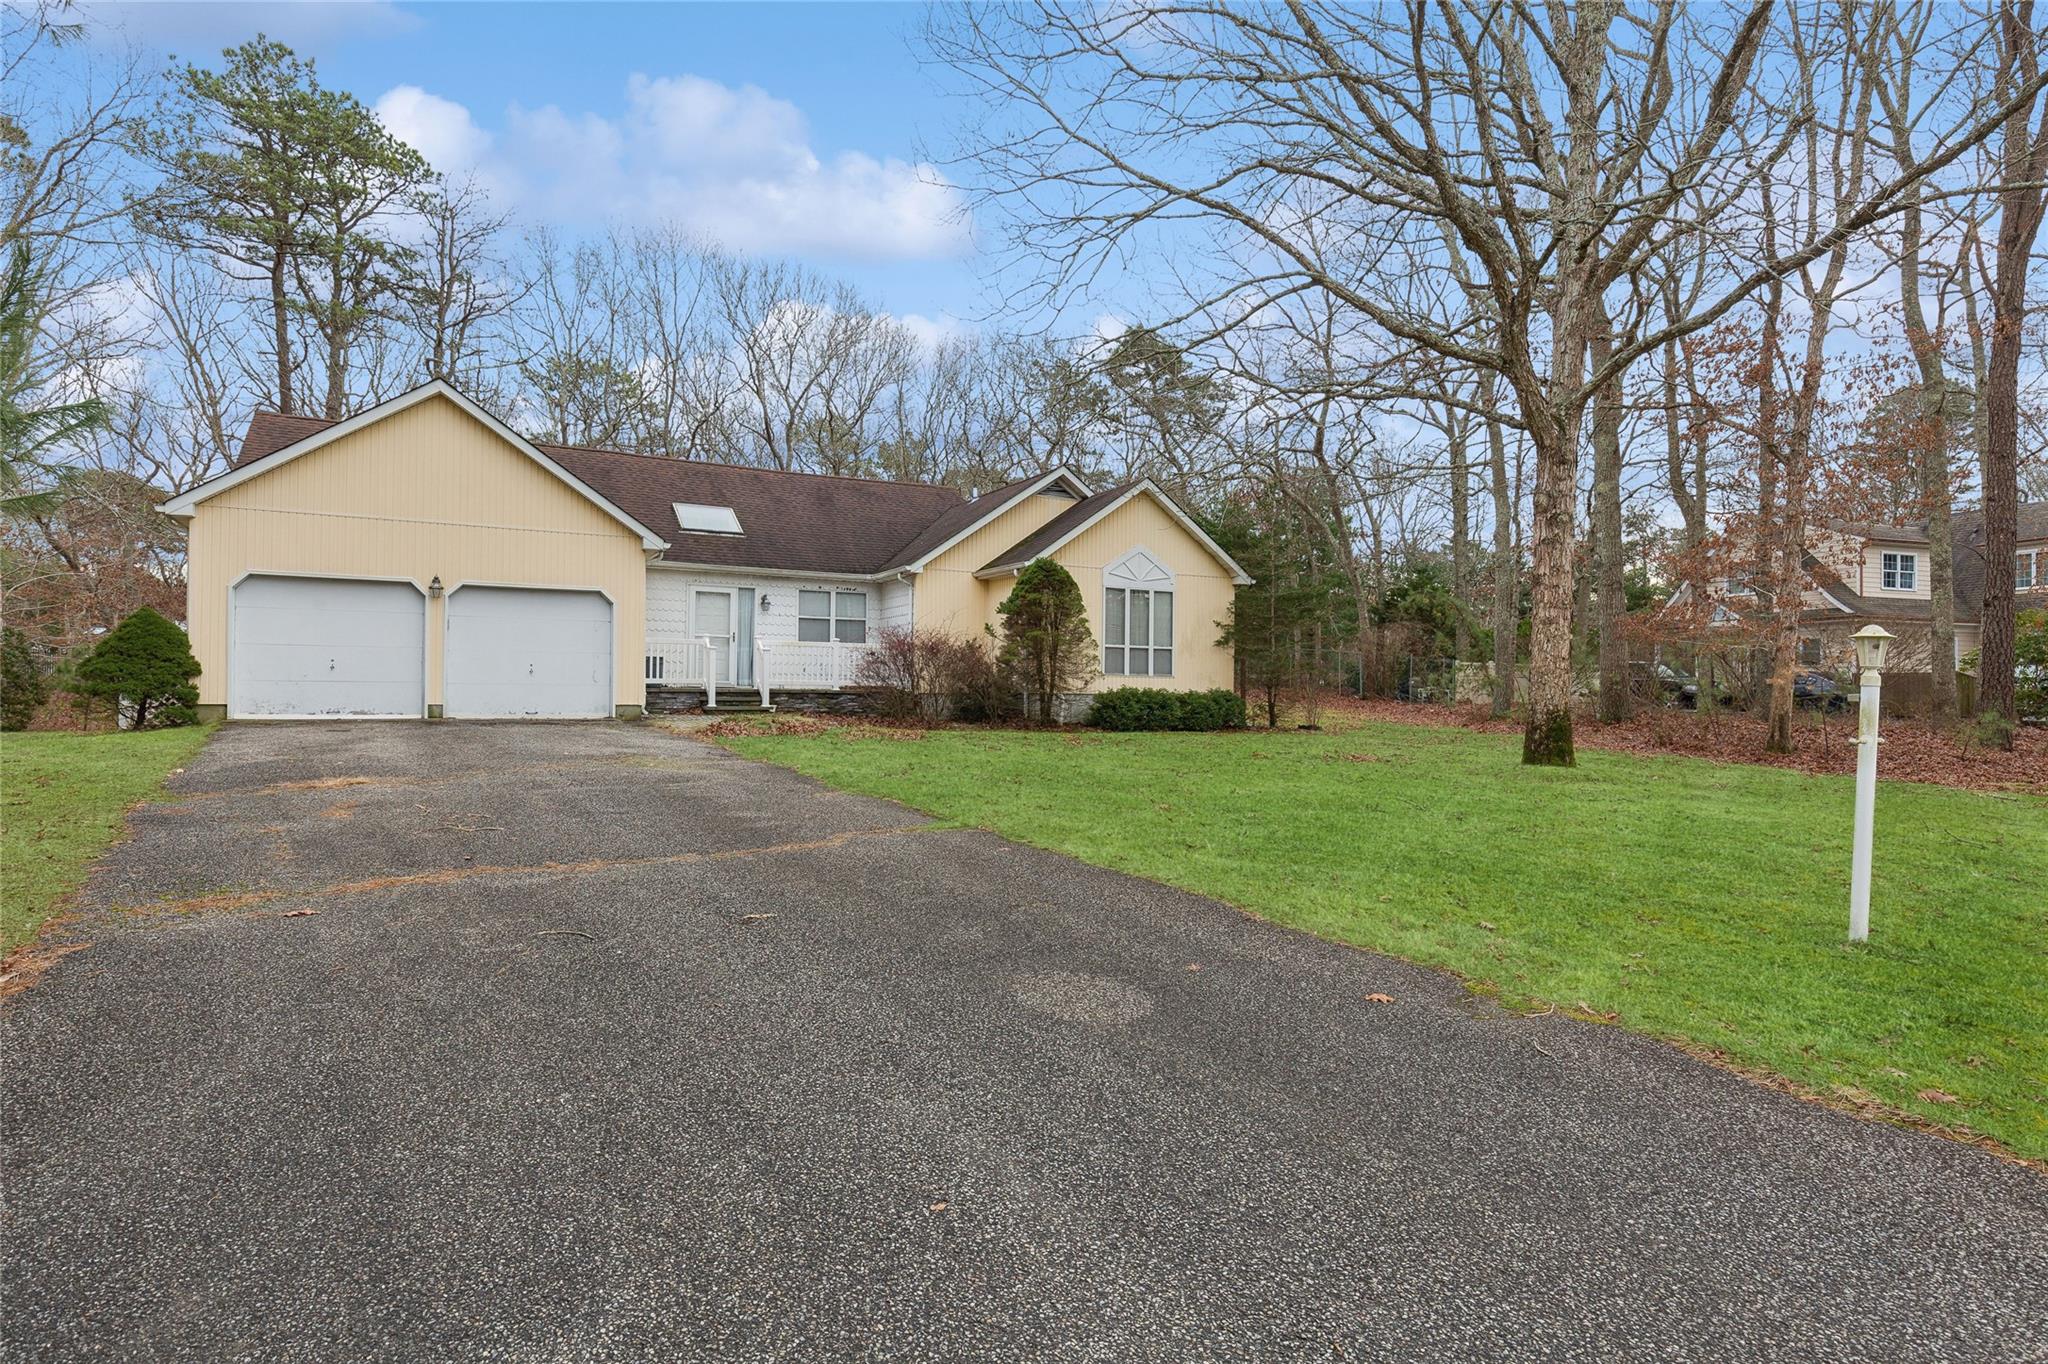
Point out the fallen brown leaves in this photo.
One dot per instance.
(20, 968)
(450, 875)
(1820, 745)
(793, 726)
(1861, 1103)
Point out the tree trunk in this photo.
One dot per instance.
(281, 335)
(1461, 528)
(1611, 583)
(1996, 652)
(2023, 156)
(337, 330)
(1936, 497)
(1547, 735)
(1507, 567)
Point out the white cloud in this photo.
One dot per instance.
(439, 129)
(931, 332)
(735, 164)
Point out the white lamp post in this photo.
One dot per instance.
(1872, 643)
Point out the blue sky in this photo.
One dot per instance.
(799, 130)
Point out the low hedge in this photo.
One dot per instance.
(1139, 708)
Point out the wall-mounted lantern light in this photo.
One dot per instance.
(434, 587)
(764, 603)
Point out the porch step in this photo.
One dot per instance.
(739, 710)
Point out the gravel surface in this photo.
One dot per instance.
(602, 1044)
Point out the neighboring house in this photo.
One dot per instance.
(1860, 575)
(1865, 574)
(422, 559)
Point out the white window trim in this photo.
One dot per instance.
(2033, 558)
(832, 621)
(1895, 565)
(1140, 570)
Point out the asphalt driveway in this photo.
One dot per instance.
(601, 1044)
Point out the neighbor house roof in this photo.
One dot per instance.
(1966, 539)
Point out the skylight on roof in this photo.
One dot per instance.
(707, 519)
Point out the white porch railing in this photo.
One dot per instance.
(677, 662)
(807, 666)
(785, 665)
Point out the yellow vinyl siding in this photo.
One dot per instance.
(1202, 587)
(949, 596)
(426, 492)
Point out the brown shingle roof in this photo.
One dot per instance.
(815, 523)
(956, 519)
(270, 432)
(1967, 537)
(1050, 534)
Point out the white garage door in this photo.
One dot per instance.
(528, 651)
(323, 647)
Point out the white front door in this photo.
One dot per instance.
(712, 610)
(528, 651)
(327, 648)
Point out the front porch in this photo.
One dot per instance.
(710, 674)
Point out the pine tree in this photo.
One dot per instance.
(283, 181)
(1047, 645)
(31, 431)
(144, 664)
(23, 685)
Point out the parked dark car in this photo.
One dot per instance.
(1818, 691)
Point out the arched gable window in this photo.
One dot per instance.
(1137, 617)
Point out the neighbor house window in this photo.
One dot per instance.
(834, 615)
(1901, 571)
(2026, 569)
(1137, 617)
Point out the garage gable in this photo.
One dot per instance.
(428, 455)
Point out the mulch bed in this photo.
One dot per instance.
(1911, 752)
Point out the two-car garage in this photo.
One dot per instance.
(328, 647)
(414, 561)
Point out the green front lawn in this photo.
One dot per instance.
(1688, 899)
(61, 801)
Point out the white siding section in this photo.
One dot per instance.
(671, 626)
(896, 606)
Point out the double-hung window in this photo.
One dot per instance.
(1901, 571)
(823, 615)
(1137, 621)
(2027, 569)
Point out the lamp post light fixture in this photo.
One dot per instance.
(1872, 642)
